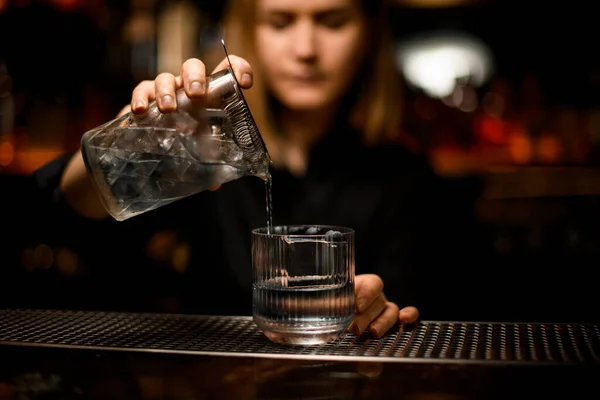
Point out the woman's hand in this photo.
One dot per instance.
(192, 77)
(373, 311)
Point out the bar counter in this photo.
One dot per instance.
(62, 354)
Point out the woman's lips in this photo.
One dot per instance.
(306, 79)
(303, 74)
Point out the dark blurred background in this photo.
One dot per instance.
(503, 96)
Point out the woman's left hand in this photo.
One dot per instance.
(373, 311)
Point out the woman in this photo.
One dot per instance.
(325, 95)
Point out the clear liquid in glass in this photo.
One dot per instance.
(320, 308)
(303, 286)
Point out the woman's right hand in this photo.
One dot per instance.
(75, 183)
(192, 77)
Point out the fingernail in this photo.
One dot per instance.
(137, 105)
(357, 329)
(167, 101)
(374, 331)
(360, 305)
(352, 326)
(196, 87)
(246, 80)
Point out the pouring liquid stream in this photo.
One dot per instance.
(269, 202)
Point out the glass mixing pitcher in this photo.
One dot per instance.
(138, 163)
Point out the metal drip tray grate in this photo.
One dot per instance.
(239, 336)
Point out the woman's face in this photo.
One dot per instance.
(309, 50)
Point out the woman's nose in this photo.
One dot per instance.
(304, 41)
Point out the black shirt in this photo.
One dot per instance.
(405, 221)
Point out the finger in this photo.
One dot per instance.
(142, 94)
(367, 288)
(363, 320)
(385, 320)
(212, 189)
(193, 76)
(409, 315)
(164, 86)
(242, 69)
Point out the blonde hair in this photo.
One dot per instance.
(377, 111)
